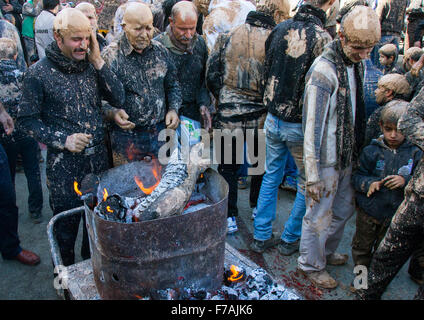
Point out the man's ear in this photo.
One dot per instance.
(389, 93)
(57, 37)
(171, 21)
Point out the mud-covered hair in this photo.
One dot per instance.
(8, 48)
(391, 113)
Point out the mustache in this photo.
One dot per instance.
(186, 38)
(80, 50)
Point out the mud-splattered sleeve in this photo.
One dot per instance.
(362, 177)
(172, 86)
(215, 67)
(411, 124)
(29, 114)
(111, 88)
(203, 98)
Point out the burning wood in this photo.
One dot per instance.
(169, 195)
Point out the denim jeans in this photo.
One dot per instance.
(28, 148)
(9, 240)
(282, 138)
(385, 39)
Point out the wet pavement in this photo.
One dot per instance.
(36, 283)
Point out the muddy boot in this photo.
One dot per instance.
(320, 278)
(337, 259)
(260, 246)
(287, 249)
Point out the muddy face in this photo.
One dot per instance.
(184, 29)
(90, 12)
(138, 25)
(356, 51)
(381, 95)
(392, 136)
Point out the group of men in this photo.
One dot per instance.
(97, 106)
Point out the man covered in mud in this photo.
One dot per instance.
(235, 77)
(406, 232)
(334, 126)
(153, 95)
(61, 107)
(189, 53)
(290, 51)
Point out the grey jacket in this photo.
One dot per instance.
(43, 31)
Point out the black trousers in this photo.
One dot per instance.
(9, 240)
(63, 168)
(28, 148)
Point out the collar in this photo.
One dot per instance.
(126, 46)
(260, 19)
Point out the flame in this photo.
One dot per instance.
(149, 190)
(108, 209)
(105, 194)
(236, 275)
(76, 189)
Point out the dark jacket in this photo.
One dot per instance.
(392, 16)
(150, 80)
(290, 51)
(376, 162)
(235, 70)
(191, 70)
(61, 97)
(10, 93)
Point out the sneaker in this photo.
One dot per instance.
(337, 259)
(287, 249)
(36, 217)
(289, 184)
(260, 246)
(254, 212)
(320, 278)
(242, 182)
(231, 225)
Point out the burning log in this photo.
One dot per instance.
(173, 201)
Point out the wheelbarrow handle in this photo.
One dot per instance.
(54, 247)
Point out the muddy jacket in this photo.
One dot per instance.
(8, 30)
(290, 51)
(334, 130)
(191, 70)
(376, 162)
(235, 69)
(392, 16)
(150, 80)
(61, 97)
(411, 126)
(10, 93)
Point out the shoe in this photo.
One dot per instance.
(254, 212)
(289, 184)
(231, 225)
(287, 249)
(320, 278)
(242, 182)
(260, 246)
(337, 259)
(36, 217)
(27, 257)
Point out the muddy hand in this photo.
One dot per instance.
(6, 121)
(172, 120)
(375, 186)
(121, 119)
(315, 191)
(94, 53)
(77, 142)
(206, 117)
(394, 182)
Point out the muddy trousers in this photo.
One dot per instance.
(62, 169)
(324, 222)
(404, 236)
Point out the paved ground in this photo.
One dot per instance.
(28, 283)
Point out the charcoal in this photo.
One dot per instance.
(229, 293)
(254, 295)
(113, 209)
(200, 294)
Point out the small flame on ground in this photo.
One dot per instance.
(76, 189)
(108, 209)
(236, 275)
(105, 194)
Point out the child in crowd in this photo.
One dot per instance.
(388, 57)
(386, 166)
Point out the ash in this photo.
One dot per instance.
(257, 285)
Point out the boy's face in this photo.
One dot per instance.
(392, 137)
(385, 61)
